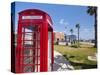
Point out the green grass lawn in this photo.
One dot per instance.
(78, 56)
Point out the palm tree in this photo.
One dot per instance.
(78, 27)
(71, 30)
(92, 11)
(65, 33)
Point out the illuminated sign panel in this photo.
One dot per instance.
(32, 17)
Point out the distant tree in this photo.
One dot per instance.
(92, 11)
(57, 41)
(65, 33)
(78, 27)
(71, 30)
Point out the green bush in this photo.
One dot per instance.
(75, 46)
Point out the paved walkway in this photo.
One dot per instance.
(60, 63)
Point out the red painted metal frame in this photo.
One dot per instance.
(44, 28)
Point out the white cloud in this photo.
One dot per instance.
(63, 22)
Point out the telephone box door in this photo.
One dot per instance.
(30, 53)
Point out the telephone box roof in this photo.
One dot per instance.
(34, 12)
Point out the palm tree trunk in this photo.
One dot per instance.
(78, 37)
(95, 26)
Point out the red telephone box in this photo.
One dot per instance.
(34, 49)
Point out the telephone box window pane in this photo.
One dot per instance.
(28, 29)
(28, 60)
(28, 43)
(37, 60)
(28, 52)
(28, 68)
(37, 68)
(28, 36)
(37, 43)
(37, 52)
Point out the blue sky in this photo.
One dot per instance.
(63, 16)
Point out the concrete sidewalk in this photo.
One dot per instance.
(60, 63)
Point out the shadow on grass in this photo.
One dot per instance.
(83, 65)
(78, 65)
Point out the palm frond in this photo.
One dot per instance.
(91, 10)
